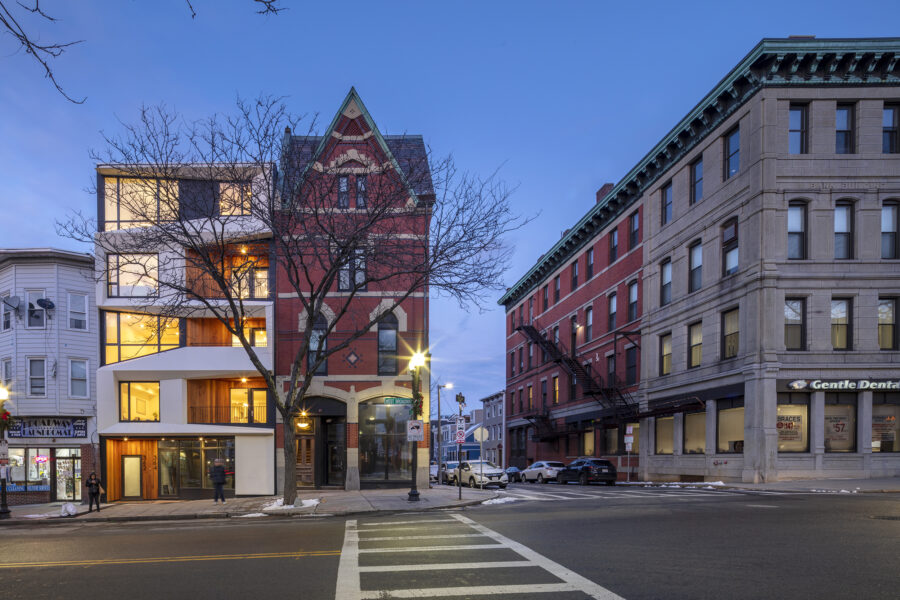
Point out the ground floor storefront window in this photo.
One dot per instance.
(384, 453)
(45, 473)
(840, 422)
(793, 422)
(695, 433)
(665, 429)
(885, 422)
(730, 426)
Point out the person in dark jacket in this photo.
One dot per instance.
(93, 486)
(218, 479)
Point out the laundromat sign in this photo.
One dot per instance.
(48, 427)
(880, 385)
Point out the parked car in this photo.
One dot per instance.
(514, 474)
(448, 472)
(477, 473)
(542, 471)
(587, 470)
(433, 471)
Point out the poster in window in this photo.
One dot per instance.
(790, 428)
(883, 428)
(838, 428)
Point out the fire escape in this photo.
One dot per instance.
(618, 404)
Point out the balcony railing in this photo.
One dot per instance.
(226, 415)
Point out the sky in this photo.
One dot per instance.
(560, 97)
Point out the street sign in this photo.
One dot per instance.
(629, 439)
(460, 436)
(627, 446)
(396, 401)
(460, 422)
(415, 431)
(480, 434)
(629, 429)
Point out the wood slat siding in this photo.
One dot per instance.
(115, 449)
(212, 332)
(213, 395)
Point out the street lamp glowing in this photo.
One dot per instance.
(417, 360)
(447, 386)
(4, 394)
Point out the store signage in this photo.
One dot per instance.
(396, 401)
(415, 431)
(48, 427)
(844, 384)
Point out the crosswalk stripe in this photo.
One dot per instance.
(420, 537)
(389, 523)
(447, 566)
(475, 590)
(431, 548)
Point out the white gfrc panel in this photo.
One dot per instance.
(254, 457)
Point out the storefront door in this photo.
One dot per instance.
(306, 451)
(335, 450)
(68, 477)
(168, 469)
(131, 477)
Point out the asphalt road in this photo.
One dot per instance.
(563, 542)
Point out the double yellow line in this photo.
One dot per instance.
(166, 559)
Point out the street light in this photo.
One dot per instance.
(415, 363)
(440, 452)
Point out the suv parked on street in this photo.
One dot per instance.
(448, 472)
(477, 473)
(542, 471)
(587, 470)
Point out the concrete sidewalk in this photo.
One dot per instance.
(309, 503)
(835, 486)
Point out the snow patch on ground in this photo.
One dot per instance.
(251, 515)
(499, 501)
(45, 516)
(279, 504)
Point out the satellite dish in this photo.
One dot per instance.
(45, 303)
(12, 302)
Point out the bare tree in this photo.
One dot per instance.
(14, 15)
(424, 229)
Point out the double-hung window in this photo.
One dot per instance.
(890, 129)
(352, 275)
(798, 129)
(730, 333)
(588, 324)
(730, 247)
(887, 324)
(387, 345)
(844, 135)
(889, 222)
(78, 312)
(841, 323)
(6, 312)
(697, 180)
(6, 373)
(795, 323)
(665, 282)
(613, 245)
(843, 231)
(796, 230)
(695, 266)
(632, 301)
(695, 344)
(362, 194)
(634, 230)
(574, 275)
(343, 191)
(546, 297)
(732, 153)
(666, 203)
(78, 378)
(36, 313)
(611, 320)
(665, 354)
(37, 376)
(556, 289)
(555, 389)
(589, 263)
(631, 355)
(318, 344)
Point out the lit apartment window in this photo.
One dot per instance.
(556, 290)
(234, 198)
(666, 203)
(843, 230)
(844, 142)
(730, 333)
(139, 401)
(795, 324)
(362, 194)
(353, 274)
(890, 129)
(732, 152)
(730, 247)
(796, 230)
(589, 263)
(37, 376)
(130, 202)
(574, 275)
(889, 220)
(78, 312)
(343, 192)
(611, 321)
(78, 378)
(530, 399)
(798, 129)
(634, 230)
(697, 180)
(613, 245)
(632, 301)
(318, 344)
(665, 354)
(695, 344)
(555, 389)
(588, 324)
(130, 335)
(132, 275)
(887, 323)
(665, 282)
(695, 266)
(841, 330)
(387, 345)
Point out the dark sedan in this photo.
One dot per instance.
(588, 470)
(514, 474)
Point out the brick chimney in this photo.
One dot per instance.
(603, 191)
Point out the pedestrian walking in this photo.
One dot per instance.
(218, 479)
(94, 490)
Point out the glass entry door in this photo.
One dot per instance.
(335, 450)
(168, 469)
(68, 474)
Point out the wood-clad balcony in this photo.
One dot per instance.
(228, 401)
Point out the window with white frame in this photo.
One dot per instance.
(7, 373)
(37, 376)
(36, 313)
(78, 378)
(78, 305)
(5, 313)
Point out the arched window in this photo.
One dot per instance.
(387, 345)
(317, 345)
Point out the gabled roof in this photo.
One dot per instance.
(801, 62)
(407, 153)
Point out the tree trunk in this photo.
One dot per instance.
(290, 462)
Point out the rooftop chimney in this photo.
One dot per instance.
(603, 191)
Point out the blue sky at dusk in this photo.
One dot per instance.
(560, 96)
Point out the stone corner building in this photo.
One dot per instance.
(770, 283)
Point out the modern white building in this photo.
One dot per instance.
(48, 357)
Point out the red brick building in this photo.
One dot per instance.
(573, 341)
(353, 432)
